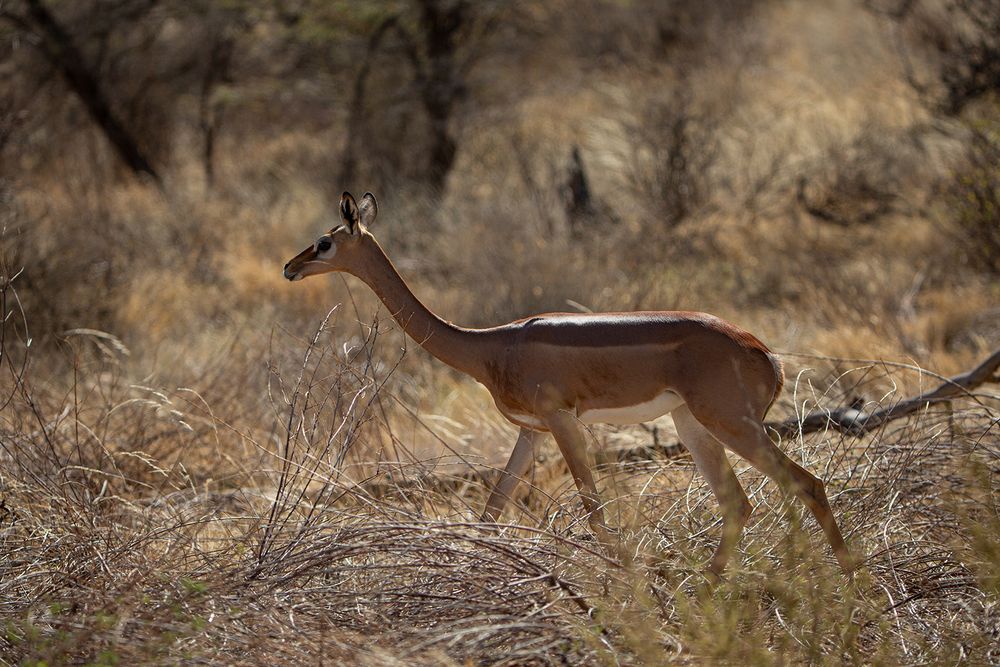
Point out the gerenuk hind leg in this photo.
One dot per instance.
(744, 434)
(710, 459)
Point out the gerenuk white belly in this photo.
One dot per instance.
(634, 414)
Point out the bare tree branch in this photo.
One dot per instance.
(59, 48)
(853, 421)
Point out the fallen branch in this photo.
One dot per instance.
(854, 421)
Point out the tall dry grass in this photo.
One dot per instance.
(187, 476)
(150, 523)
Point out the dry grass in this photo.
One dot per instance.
(197, 466)
(149, 524)
(215, 488)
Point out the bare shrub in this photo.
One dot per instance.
(956, 45)
(856, 182)
(674, 145)
(973, 203)
(680, 32)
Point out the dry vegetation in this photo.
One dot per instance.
(201, 463)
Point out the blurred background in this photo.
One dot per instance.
(824, 174)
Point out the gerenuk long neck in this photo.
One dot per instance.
(463, 349)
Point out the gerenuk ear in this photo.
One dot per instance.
(369, 209)
(349, 212)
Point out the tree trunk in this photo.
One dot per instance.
(209, 114)
(442, 85)
(356, 114)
